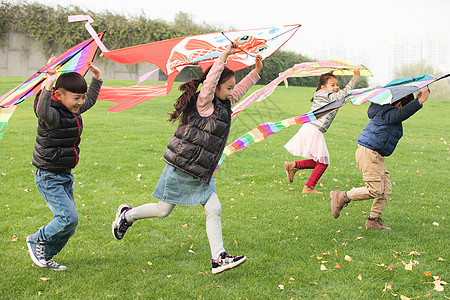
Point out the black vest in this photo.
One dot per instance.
(56, 149)
(197, 146)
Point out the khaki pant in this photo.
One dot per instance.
(378, 182)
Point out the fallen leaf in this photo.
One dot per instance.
(292, 279)
(390, 268)
(235, 243)
(359, 277)
(404, 297)
(441, 259)
(44, 279)
(427, 273)
(337, 266)
(168, 276)
(191, 251)
(359, 237)
(427, 295)
(150, 263)
(436, 224)
(281, 287)
(323, 268)
(14, 238)
(387, 287)
(348, 258)
(334, 240)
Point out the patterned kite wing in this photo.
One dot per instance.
(73, 60)
(173, 55)
(392, 91)
(338, 66)
(261, 132)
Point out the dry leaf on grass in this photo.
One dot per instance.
(348, 258)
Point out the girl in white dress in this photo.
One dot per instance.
(309, 141)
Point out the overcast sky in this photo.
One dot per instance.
(365, 27)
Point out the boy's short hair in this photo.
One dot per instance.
(72, 82)
(405, 100)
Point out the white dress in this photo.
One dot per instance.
(309, 142)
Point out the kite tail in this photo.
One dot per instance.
(5, 115)
(261, 132)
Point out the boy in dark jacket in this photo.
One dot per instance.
(377, 140)
(55, 154)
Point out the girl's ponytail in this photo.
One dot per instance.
(186, 102)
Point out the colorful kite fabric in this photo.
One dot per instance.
(338, 66)
(173, 55)
(393, 91)
(261, 132)
(5, 114)
(73, 60)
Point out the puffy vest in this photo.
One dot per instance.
(197, 146)
(56, 149)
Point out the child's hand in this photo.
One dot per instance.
(423, 96)
(258, 63)
(94, 70)
(51, 76)
(228, 51)
(356, 72)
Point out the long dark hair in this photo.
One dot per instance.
(186, 103)
(323, 79)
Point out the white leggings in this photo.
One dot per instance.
(163, 209)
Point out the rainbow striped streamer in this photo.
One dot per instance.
(73, 60)
(392, 91)
(261, 132)
(5, 115)
(338, 66)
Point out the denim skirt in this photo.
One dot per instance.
(176, 187)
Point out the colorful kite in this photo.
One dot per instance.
(73, 60)
(392, 91)
(172, 56)
(261, 132)
(338, 66)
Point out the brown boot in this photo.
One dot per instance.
(376, 223)
(310, 190)
(290, 170)
(338, 201)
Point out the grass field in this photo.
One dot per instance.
(295, 248)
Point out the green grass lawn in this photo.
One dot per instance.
(288, 238)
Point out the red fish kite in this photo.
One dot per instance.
(173, 55)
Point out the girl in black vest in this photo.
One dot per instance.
(193, 153)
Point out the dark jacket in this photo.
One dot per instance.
(57, 149)
(58, 136)
(384, 130)
(197, 146)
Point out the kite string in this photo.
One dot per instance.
(252, 55)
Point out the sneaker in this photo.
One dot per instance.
(310, 190)
(226, 262)
(51, 264)
(376, 223)
(36, 251)
(338, 201)
(120, 224)
(290, 170)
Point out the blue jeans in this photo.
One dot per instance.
(56, 188)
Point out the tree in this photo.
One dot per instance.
(440, 89)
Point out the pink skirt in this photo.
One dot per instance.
(309, 142)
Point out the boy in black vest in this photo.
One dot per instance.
(55, 154)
